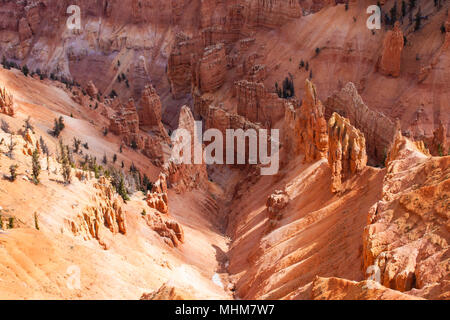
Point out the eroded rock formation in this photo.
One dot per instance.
(347, 154)
(125, 122)
(180, 64)
(256, 104)
(105, 213)
(305, 128)
(313, 127)
(406, 240)
(6, 102)
(125, 119)
(31, 143)
(276, 203)
(184, 176)
(158, 218)
(273, 13)
(157, 198)
(92, 90)
(439, 144)
(392, 52)
(211, 69)
(150, 108)
(169, 292)
(379, 131)
(342, 289)
(139, 78)
(167, 228)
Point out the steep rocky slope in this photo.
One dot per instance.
(59, 231)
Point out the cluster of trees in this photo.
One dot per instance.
(406, 8)
(58, 127)
(65, 158)
(121, 77)
(11, 223)
(128, 183)
(26, 71)
(287, 90)
(113, 94)
(125, 183)
(9, 64)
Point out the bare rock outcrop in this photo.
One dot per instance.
(273, 13)
(149, 112)
(92, 90)
(276, 203)
(392, 52)
(186, 176)
(290, 133)
(439, 145)
(169, 292)
(406, 240)
(180, 64)
(158, 218)
(217, 118)
(347, 151)
(256, 104)
(211, 69)
(150, 108)
(167, 228)
(447, 34)
(6, 102)
(305, 128)
(25, 32)
(105, 213)
(157, 198)
(125, 122)
(158, 201)
(343, 289)
(31, 143)
(313, 127)
(140, 77)
(379, 131)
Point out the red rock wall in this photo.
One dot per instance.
(407, 233)
(347, 151)
(392, 52)
(149, 108)
(379, 131)
(313, 127)
(273, 13)
(211, 69)
(183, 177)
(258, 105)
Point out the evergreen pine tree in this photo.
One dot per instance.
(36, 166)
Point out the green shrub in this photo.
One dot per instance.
(13, 172)
(36, 166)
(25, 70)
(11, 223)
